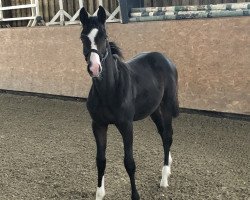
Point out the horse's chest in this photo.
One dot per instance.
(100, 112)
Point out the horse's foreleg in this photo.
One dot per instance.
(126, 129)
(100, 132)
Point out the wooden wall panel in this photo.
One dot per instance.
(212, 58)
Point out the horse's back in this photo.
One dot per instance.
(154, 60)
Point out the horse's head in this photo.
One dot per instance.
(94, 40)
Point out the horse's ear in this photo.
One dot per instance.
(84, 17)
(101, 14)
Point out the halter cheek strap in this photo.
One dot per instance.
(94, 51)
(103, 58)
(88, 54)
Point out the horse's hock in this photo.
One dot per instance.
(212, 57)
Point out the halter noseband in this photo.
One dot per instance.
(103, 58)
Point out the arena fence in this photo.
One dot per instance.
(65, 12)
(73, 19)
(34, 6)
(57, 12)
(190, 12)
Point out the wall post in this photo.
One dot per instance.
(126, 6)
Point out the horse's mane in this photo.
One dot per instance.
(115, 49)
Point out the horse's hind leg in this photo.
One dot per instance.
(157, 119)
(167, 141)
(163, 121)
(100, 132)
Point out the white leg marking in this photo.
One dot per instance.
(100, 192)
(166, 171)
(170, 160)
(165, 175)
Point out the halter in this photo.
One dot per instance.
(103, 58)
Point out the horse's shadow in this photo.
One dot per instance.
(152, 190)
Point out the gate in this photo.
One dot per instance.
(34, 6)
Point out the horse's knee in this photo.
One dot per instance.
(129, 164)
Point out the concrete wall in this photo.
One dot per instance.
(212, 56)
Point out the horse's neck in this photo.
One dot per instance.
(105, 86)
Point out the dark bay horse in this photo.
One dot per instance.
(123, 92)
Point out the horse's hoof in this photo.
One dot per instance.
(164, 183)
(165, 175)
(100, 193)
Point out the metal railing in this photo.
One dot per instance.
(61, 14)
(34, 6)
(111, 16)
(189, 12)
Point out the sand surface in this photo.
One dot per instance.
(47, 151)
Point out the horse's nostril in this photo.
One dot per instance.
(89, 71)
(94, 70)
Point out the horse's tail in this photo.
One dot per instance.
(175, 101)
(172, 93)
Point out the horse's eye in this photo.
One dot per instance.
(83, 37)
(85, 52)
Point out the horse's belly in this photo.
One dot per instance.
(146, 106)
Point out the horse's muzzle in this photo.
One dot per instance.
(94, 70)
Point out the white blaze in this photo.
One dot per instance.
(100, 192)
(92, 36)
(94, 57)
